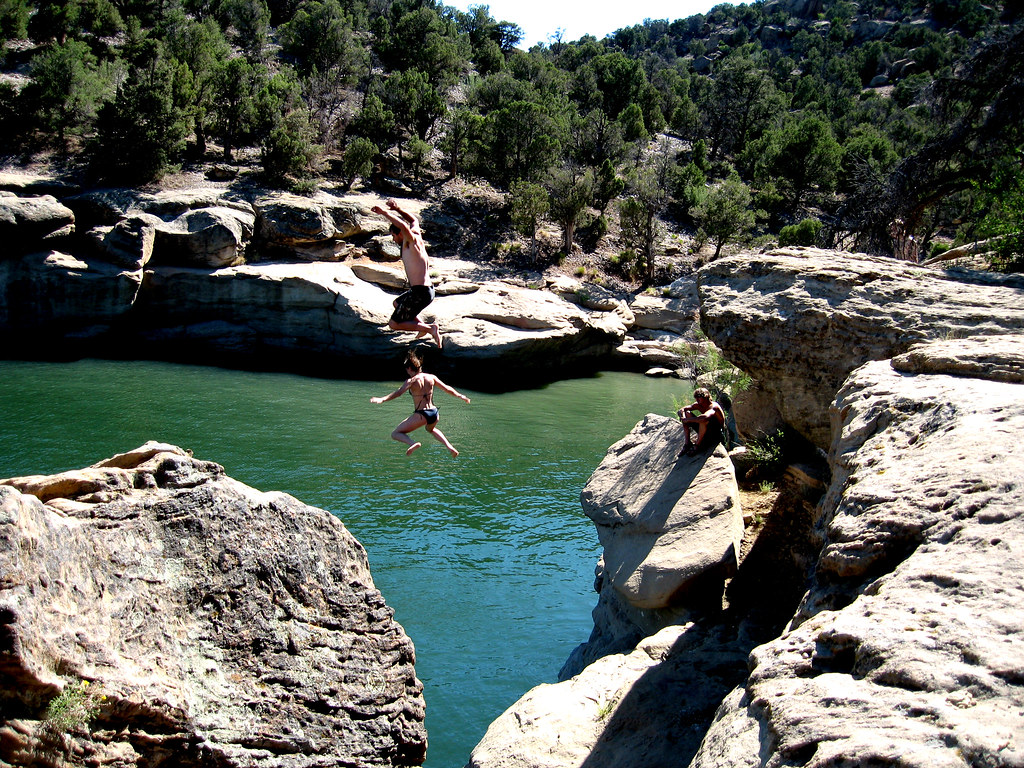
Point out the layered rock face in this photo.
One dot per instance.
(214, 624)
(670, 528)
(277, 280)
(801, 320)
(909, 646)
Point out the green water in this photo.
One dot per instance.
(487, 559)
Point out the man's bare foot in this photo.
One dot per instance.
(453, 452)
(436, 333)
(412, 448)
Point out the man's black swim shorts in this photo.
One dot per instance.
(412, 302)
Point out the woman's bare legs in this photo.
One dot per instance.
(401, 433)
(439, 436)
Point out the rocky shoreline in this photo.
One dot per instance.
(270, 280)
(183, 618)
(903, 642)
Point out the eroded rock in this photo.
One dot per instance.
(220, 625)
(670, 528)
(801, 320)
(908, 645)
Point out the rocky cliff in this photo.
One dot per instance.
(259, 279)
(153, 611)
(903, 644)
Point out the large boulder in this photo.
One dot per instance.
(667, 522)
(129, 243)
(27, 223)
(53, 297)
(800, 320)
(670, 528)
(206, 237)
(288, 220)
(213, 624)
(615, 713)
(909, 645)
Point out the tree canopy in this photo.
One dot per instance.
(882, 124)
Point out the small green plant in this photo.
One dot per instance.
(766, 486)
(766, 451)
(580, 271)
(605, 707)
(708, 367)
(806, 233)
(582, 296)
(627, 263)
(74, 707)
(306, 187)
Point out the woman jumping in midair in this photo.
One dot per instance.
(421, 386)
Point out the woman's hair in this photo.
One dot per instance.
(413, 361)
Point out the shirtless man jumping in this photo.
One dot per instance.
(405, 229)
(421, 386)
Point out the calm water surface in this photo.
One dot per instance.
(487, 559)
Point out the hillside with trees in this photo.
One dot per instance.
(884, 126)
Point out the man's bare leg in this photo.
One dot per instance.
(439, 436)
(420, 328)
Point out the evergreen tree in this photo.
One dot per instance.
(801, 155)
(288, 150)
(529, 203)
(639, 212)
(320, 38)
(570, 191)
(724, 215)
(14, 15)
(519, 141)
(201, 49)
(66, 89)
(236, 103)
(140, 133)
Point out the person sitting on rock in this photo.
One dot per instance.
(421, 386)
(405, 229)
(709, 419)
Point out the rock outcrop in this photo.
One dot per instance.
(278, 280)
(670, 527)
(909, 645)
(616, 712)
(801, 320)
(214, 624)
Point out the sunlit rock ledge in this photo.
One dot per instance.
(200, 621)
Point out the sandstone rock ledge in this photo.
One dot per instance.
(271, 280)
(216, 625)
(800, 320)
(906, 649)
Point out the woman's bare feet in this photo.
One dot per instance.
(453, 452)
(436, 333)
(412, 448)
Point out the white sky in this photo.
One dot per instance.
(540, 18)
